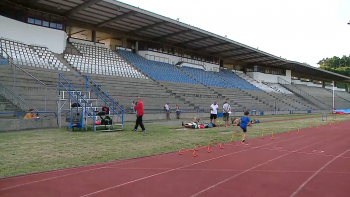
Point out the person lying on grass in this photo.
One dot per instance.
(255, 121)
(195, 125)
(235, 121)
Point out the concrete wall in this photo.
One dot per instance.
(112, 43)
(160, 57)
(335, 88)
(87, 42)
(21, 124)
(171, 59)
(192, 66)
(270, 78)
(29, 34)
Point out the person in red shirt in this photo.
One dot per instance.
(139, 113)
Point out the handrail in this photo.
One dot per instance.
(331, 91)
(103, 92)
(20, 100)
(106, 102)
(165, 58)
(12, 62)
(301, 91)
(69, 92)
(25, 112)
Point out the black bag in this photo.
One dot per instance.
(101, 113)
(75, 105)
(106, 121)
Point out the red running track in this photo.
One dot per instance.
(314, 163)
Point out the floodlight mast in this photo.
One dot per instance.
(333, 97)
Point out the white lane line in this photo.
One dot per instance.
(311, 177)
(232, 177)
(157, 174)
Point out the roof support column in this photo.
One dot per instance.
(137, 47)
(323, 84)
(93, 36)
(125, 42)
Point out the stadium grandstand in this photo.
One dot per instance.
(101, 53)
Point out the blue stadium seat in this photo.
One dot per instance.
(207, 78)
(158, 71)
(236, 80)
(3, 61)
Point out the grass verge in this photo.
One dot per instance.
(42, 150)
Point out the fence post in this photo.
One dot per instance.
(14, 77)
(45, 97)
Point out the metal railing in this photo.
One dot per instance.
(15, 98)
(16, 67)
(17, 113)
(87, 107)
(157, 58)
(192, 61)
(101, 94)
(301, 92)
(72, 51)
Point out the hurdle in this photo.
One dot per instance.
(314, 122)
(267, 131)
(220, 145)
(182, 150)
(336, 120)
(293, 128)
(194, 150)
(324, 116)
(238, 135)
(200, 146)
(330, 122)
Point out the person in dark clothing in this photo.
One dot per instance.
(139, 114)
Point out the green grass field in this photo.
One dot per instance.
(33, 151)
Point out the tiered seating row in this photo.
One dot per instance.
(205, 77)
(158, 71)
(250, 80)
(325, 96)
(35, 56)
(100, 60)
(230, 77)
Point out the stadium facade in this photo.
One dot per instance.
(130, 52)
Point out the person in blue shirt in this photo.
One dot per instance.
(245, 121)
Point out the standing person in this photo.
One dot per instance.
(178, 111)
(139, 114)
(167, 109)
(213, 112)
(226, 109)
(245, 121)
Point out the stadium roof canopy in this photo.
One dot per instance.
(144, 25)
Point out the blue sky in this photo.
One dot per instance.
(299, 30)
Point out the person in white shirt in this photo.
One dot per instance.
(213, 112)
(226, 108)
(167, 109)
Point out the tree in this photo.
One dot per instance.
(336, 64)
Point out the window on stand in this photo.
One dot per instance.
(34, 17)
